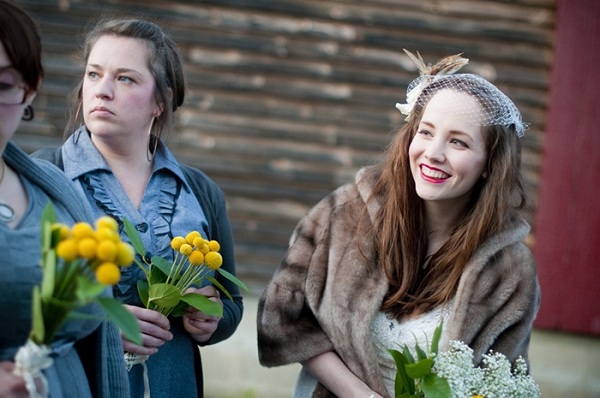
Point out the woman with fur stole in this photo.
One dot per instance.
(432, 234)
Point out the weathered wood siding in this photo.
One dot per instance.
(288, 98)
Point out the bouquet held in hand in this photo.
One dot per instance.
(78, 264)
(451, 374)
(167, 282)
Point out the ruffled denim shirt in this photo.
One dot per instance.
(168, 207)
(178, 199)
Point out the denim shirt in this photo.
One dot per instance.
(168, 207)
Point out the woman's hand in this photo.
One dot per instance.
(333, 373)
(11, 386)
(155, 331)
(199, 325)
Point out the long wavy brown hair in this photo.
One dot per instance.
(399, 228)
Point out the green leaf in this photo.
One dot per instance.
(403, 383)
(163, 295)
(88, 290)
(408, 354)
(421, 354)
(142, 287)
(435, 386)
(55, 312)
(435, 341)
(219, 286)
(202, 303)
(122, 318)
(76, 315)
(156, 276)
(179, 310)
(419, 369)
(163, 265)
(66, 279)
(233, 278)
(134, 237)
(37, 319)
(49, 274)
(48, 218)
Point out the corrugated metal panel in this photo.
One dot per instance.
(288, 98)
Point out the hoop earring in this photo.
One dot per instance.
(28, 114)
(150, 154)
(78, 130)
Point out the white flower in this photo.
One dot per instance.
(495, 379)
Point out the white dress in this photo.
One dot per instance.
(388, 333)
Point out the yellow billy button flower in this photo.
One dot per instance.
(107, 222)
(108, 273)
(125, 254)
(63, 230)
(186, 249)
(105, 233)
(478, 396)
(87, 248)
(107, 250)
(204, 248)
(189, 238)
(82, 230)
(176, 242)
(67, 250)
(214, 246)
(213, 260)
(196, 258)
(199, 241)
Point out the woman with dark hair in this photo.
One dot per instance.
(133, 84)
(438, 239)
(26, 186)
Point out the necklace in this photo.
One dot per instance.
(7, 214)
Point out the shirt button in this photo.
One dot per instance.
(142, 227)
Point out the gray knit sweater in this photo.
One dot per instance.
(101, 352)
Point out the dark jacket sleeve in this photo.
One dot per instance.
(212, 201)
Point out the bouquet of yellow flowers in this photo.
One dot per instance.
(78, 264)
(166, 284)
(451, 374)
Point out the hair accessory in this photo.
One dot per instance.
(495, 107)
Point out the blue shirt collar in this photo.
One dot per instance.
(80, 156)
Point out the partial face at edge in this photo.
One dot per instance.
(10, 114)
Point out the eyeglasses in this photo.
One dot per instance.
(12, 94)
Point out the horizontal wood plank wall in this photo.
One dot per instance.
(288, 98)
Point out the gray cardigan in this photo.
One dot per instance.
(101, 352)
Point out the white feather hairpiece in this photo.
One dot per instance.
(444, 66)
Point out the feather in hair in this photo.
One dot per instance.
(444, 66)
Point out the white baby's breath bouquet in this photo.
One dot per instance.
(451, 374)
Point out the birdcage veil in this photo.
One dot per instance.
(495, 108)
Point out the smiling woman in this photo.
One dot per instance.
(430, 235)
(448, 153)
